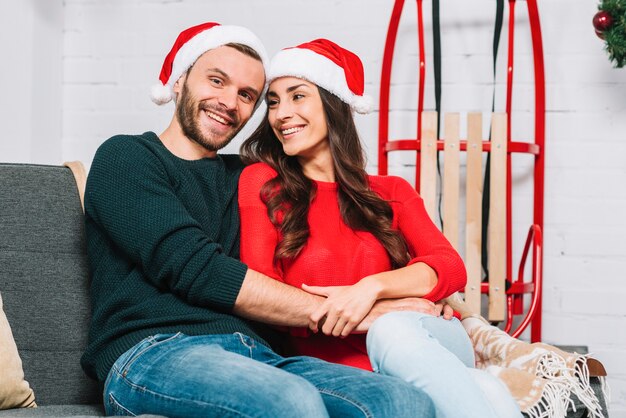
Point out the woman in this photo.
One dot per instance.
(313, 218)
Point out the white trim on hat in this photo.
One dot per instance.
(202, 42)
(313, 67)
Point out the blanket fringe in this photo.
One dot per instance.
(606, 389)
(569, 380)
(551, 365)
(553, 403)
(581, 387)
(542, 378)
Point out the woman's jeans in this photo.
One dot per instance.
(436, 355)
(233, 376)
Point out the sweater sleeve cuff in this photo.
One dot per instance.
(232, 273)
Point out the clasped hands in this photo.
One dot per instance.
(353, 309)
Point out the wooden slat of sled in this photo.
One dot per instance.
(450, 187)
(428, 162)
(497, 219)
(473, 215)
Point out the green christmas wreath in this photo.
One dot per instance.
(610, 25)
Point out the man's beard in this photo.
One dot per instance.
(187, 111)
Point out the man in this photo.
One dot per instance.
(169, 333)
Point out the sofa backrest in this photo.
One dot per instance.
(44, 279)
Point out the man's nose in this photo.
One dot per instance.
(228, 98)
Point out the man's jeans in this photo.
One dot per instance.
(233, 376)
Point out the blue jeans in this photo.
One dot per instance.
(234, 376)
(436, 355)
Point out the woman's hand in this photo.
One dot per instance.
(354, 308)
(344, 307)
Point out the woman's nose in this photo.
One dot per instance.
(283, 111)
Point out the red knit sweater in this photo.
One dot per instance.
(336, 255)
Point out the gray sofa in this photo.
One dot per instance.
(44, 286)
(43, 280)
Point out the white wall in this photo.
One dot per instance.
(31, 35)
(112, 51)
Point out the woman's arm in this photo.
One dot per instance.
(428, 246)
(435, 271)
(415, 280)
(349, 309)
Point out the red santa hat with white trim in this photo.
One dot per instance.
(191, 44)
(328, 65)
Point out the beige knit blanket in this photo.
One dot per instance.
(540, 377)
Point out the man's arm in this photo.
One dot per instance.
(267, 300)
(270, 301)
(135, 209)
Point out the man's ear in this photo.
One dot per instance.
(178, 85)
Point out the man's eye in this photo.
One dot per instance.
(216, 81)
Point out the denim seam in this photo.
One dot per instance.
(135, 349)
(143, 389)
(118, 405)
(145, 349)
(341, 396)
(248, 342)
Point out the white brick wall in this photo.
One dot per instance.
(113, 49)
(30, 113)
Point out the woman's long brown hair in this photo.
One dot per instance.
(289, 195)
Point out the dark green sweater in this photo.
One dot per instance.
(163, 242)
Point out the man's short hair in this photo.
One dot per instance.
(246, 50)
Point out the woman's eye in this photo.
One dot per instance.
(298, 96)
(271, 102)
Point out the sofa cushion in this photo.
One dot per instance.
(44, 279)
(15, 392)
(57, 411)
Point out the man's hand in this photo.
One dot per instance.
(405, 304)
(445, 310)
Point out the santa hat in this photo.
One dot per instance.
(328, 65)
(191, 44)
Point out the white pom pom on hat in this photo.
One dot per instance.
(363, 104)
(160, 94)
(328, 65)
(191, 44)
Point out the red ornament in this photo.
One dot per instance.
(602, 21)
